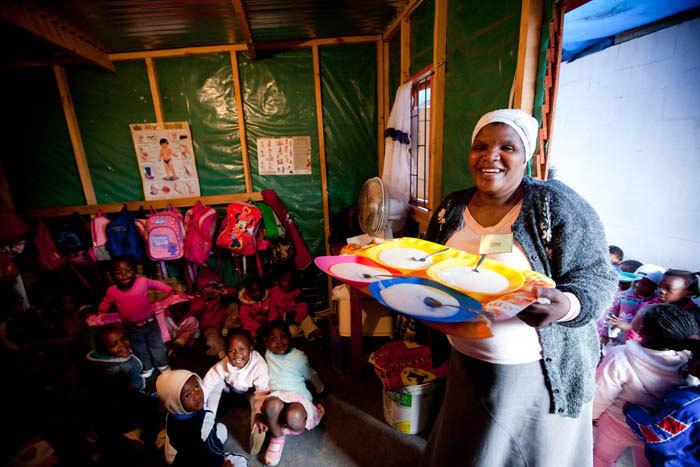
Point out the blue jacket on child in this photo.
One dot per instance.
(671, 434)
(126, 369)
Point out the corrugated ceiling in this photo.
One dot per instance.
(131, 25)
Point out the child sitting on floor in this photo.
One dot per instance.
(671, 433)
(210, 308)
(130, 296)
(254, 305)
(640, 372)
(289, 408)
(244, 372)
(618, 318)
(182, 326)
(284, 306)
(190, 427)
(119, 387)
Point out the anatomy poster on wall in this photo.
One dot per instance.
(166, 160)
(284, 156)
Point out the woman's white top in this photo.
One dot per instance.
(513, 341)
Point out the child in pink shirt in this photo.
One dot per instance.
(130, 297)
(255, 305)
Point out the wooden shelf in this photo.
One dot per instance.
(136, 205)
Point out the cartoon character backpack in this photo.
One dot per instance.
(200, 228)
(165, 235)
(239, 229)
(122, 237)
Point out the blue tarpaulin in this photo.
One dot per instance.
(594, 25)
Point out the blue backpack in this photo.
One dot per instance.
(123, 238)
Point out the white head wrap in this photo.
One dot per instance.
(169, 387)
(524, 125)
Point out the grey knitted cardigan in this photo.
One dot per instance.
(564, 239)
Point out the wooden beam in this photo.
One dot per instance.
(405, 49)
(155, 90)
(56, 32)
(381, 116)
(437, 103)
(74, 132)
(242, 15)
(241, 122)
(322, 157)
(136, 205)
(270, 45)
(321, 147)
(528, 54)
(406, 12)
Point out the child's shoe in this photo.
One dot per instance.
(288, 431)
(274, 450)
(257, 438)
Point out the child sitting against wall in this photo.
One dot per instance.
(243, 372)
(284, 305)
(288, 409)
(210, 307)
(190, 427)
(639, 372)
(182, 326)
(254, 301)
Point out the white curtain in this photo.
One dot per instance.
(396, 174)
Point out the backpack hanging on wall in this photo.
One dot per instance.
(123, 239)
(239, 229)
(48, 256)
(165, 235)
(98, 227)
(200, 228)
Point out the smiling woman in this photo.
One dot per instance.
(523, 396)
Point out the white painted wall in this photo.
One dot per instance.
(627, 138)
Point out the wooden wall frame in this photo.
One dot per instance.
(528, 55)
(241, 122)
(437, 103)
(381, 116)
(155, 90)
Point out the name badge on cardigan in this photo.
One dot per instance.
(496, 243)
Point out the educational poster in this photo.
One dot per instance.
(166, 160)
(284, 156)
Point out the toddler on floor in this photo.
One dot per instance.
(189, 426)
(254, 301)
(639, 372)
(244, 372)
(210, 308)
(284, 306)
(289, 408)
(130, 296)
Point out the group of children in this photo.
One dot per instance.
(647, 390)
(275, 385)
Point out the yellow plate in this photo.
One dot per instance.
(497, 278)
(396, 254)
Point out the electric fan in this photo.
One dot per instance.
(376, 210)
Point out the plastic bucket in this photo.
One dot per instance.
(410, 409)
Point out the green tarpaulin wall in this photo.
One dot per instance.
(422, 25)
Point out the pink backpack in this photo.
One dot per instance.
(98, 226)
(239, 229)
(200, 227)
(165, 235)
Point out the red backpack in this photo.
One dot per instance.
(239, 229)
(200, 228)
(47, 253)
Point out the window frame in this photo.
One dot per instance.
(420, 209)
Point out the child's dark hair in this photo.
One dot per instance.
(253, 279)
(239, 332)
(283, 269)
(276, 324)
(630, 265)
(690, 280)
(100, 334)
(616, 250)
(122, 259)
(668, 326)
(162, 140)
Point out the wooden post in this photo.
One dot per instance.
(241, 122)
(437, 103)
(528, 54)
(322, 157)
(405, 49)
(385, 91)
(242, 15)
(74, 132)
(381, 116)
(155, 90)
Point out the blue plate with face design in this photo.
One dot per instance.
(407, 295)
